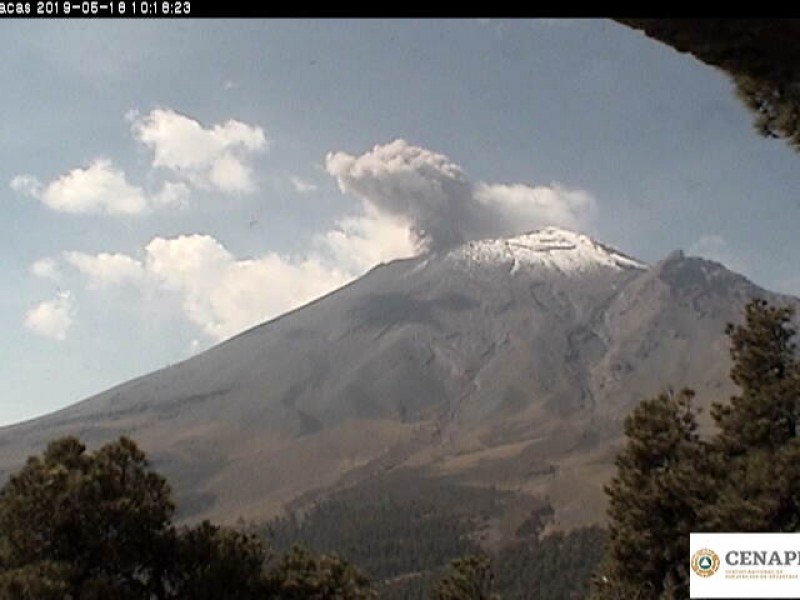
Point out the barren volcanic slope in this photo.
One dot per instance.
(506, 363)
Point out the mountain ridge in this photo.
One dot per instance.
(500, 373)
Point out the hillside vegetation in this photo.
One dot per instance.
(91, 525)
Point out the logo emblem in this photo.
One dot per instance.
(705, 562)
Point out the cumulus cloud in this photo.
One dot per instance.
(301, 186)
(51, 319)
(27, 185)
(508, 208)
(441, 205)
(219, 292)
(225, 295)
(411, 199)
(100, 188)
(360, 242)
(46, 268)
(106, 270)
(214, 157)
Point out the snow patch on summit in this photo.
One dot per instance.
(551, 248)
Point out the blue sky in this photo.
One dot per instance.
(167, 184)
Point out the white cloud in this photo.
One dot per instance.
(99, 188)
(519, 207)
(106, 270)
(301, 186)
(27, 185)
(47, 268)
(715, 247)
(225, 295)
(51, 319)
(171, 195)
(442, 206)
(410, 196)
(229, 174)
(219, 292)
(213, 157)
(358, 243)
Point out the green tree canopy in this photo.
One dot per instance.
(764, 414)
(654, 500)
(757, 449)
(301, 576)
(79, 525)
(669, 482)
(469, 578)
(89, 523)
(209, 562)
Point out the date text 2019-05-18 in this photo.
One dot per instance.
(112, 8)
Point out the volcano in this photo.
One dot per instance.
(507, 363)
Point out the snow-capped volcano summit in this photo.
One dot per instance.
(551, 247)
(505, 362)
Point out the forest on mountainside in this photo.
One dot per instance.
(404, 530)
(91, 525)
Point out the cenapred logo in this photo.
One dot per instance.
(705, 562)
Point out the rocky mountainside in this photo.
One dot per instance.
(504, 363)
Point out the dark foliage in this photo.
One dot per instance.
(669, 482)
(406, 530)
(557, 567)
(90, 524)
(301, 576)
(212, 562)
(661, 485)
(392, 526)
(469, 578)
(98, 525)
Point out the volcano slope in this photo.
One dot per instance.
(503, 364)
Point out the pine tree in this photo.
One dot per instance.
(90, 523)
(669, 482)
(469, 578)
(764, 414)
(301, 576)
(757, 450)
(654, 500)
(211, 562)
(94, 526)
